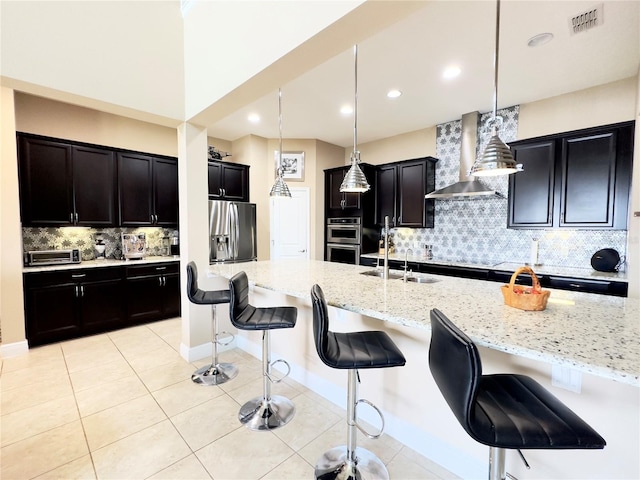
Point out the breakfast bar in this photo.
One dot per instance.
(588, 343)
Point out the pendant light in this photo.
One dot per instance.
(496, 158)
(280, 188)
(355, 181)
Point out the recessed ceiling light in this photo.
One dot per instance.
(346, 110)
(394, 93)
(451, 72)
(253, 117)
(540, 39)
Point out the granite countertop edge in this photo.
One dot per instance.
(99, 264)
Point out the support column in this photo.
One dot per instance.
(194, 236)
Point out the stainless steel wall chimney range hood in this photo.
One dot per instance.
(467, 186)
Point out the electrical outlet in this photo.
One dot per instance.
(567, 378)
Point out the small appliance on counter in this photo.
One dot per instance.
(100, 248)
(52, 257)
(606, 260)
(134, 246)
(174, 244)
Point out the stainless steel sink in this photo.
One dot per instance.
(422, 279)
(379, 273)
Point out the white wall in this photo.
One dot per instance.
(127, 54)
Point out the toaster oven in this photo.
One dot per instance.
(53, 257)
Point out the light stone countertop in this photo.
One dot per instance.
(597, 334)
(99, 263)
(571, 272)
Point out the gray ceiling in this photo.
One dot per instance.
(411, 55)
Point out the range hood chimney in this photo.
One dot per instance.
(467, 186)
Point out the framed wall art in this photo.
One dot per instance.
(292, 165)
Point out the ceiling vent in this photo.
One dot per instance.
(584, 21)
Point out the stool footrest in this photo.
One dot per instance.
(226, 336)
(365, 433)
(278, 380)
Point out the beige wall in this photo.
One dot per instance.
(633, 247)
(42, 116)
(421, 143)
(11, 304)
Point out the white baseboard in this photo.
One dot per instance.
(14, 349)
(191, 354)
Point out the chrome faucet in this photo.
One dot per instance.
(385, 272)
(406, 254)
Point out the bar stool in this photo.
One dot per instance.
(502, 410)
(216, 373)
(351, 351)
(266, 412)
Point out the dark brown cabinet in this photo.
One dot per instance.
(400, 191)
(228, 181)
(65, 184)
(153, 292)
(148, 190)
(66, 304)
(338, 200)
(578, 180)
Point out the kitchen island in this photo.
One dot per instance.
(592, 338)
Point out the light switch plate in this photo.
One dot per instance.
(567, 378)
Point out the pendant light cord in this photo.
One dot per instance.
(355, 100)
(280, 129)
(495, 63)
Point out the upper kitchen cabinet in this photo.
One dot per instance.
(400, 191)
(339, 204)
(578, 180)
(148, 190)
(228, 181)
(64, 183)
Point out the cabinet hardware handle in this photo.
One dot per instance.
(76, 218)
(150, 218)
(79, 275)
(82, 290)
(164, 281)
(156, 219)
(76, 288)
(71, 217)
(159, 281)
(220, 191)
(161, 268)
(575, 285)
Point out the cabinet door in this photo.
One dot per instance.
(171, 295)
(165, 194)
(144, 299)
(531, 192)
(135, 185)
(386, 193)
(338, 200)
(45, 182)
(412, 187)
(588, 180)
(215, 180)
(51, 313)
(235, 182)
(101, 305)
(94, 186)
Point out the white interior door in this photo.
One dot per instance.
(290, 225)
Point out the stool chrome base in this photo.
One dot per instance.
(215, 374)
(334, 465)
(262, 414)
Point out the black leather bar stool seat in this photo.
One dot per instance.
(268, 411)
(503, 411)
(351, 351)
(216, 373)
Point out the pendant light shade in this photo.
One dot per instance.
(496, 159)
(280, 188)
(355, 181)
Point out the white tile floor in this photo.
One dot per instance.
(121, 405)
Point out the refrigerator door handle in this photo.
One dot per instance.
(236, 232)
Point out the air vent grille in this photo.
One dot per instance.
(584, 21)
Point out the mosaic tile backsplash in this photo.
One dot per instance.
(474, 230)
(84, 239)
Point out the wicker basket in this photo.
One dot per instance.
(525, 298)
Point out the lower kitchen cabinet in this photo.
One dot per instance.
(71, 303)
(65, 304)
(153, 292)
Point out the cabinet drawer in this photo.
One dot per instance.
(152, 269)
(61, 277)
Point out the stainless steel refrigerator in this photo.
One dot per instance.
(232, 227)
